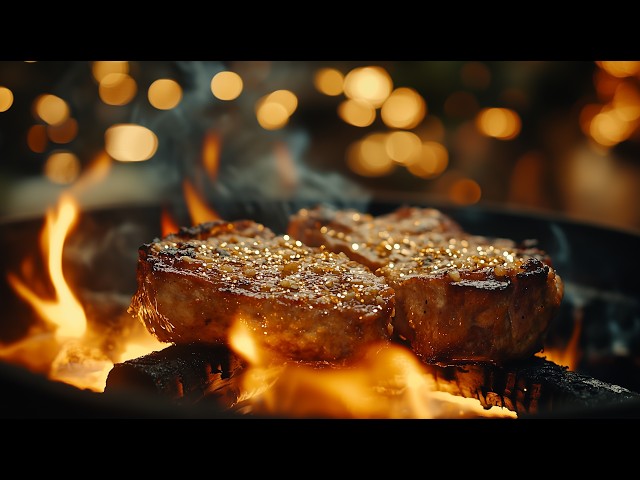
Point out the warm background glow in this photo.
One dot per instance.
(130, 143)
(403, 147)
(405, 108)
(64, 132)
(329, 81)
(164, 94)
(6, 99)
(51, 109)
(358, 113)
(431, 161)
(501, 123)
(273, 110)
(370, 84)
(101, 69)
(395, 128)
(226, 85)
(272, 115)
(369, 156)
(37, 138)
(117, 89)
(62, 167)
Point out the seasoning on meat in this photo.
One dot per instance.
(459, 297)
(302, 303)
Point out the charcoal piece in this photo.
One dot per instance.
(535, 387)
(186, 374)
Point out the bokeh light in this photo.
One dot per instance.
(226, 85)
(501, 123)
(370, 84)
(403, 147)
(620, 69)
(37, 138)
(404, 108)
(626, 102)
(64, 132)
(465, 191)
(271, 115)
(358, 113)
(101, 69)
(62, 167)
(51, 109)
(608, 129)
(586, 115)
(432, 160)
(117, 89)
(164, 94)
(6, 99)
(329, 81)
(130, 143)
(368, 157)
(285, 98)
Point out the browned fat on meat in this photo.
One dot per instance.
(299, 302)
(459, 297)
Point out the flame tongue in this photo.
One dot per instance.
(64, 312)
(387, 382)
(62, 347)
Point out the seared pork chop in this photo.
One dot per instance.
(300, 302)
(459, 297)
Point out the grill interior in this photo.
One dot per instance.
(594, 262)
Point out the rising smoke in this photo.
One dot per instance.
(260, 172)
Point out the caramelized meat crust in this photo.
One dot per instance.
(459, 297)
(366, 238)
(298, 302)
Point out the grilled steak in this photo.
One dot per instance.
(459, 297)
(365, 238)
(302, 303)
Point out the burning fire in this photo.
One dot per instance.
(387, 382)
(65, 311)
(63, 347)
(568, 356)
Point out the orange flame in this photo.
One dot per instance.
(387, 382)
(66, 350)
(167, 223)
(198, 209)
(65, 311)
(211, 154)
(569, 356)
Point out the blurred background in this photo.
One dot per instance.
(553, 137)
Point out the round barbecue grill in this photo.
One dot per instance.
(597, 264)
